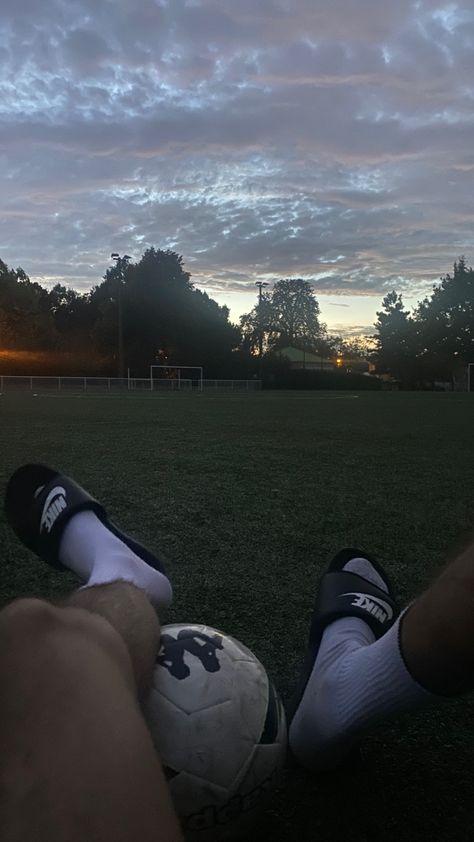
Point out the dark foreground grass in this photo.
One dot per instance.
(249, 496)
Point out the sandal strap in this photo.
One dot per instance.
(345, 594)
(42, 526)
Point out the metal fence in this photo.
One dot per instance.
(104, 385)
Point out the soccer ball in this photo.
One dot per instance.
(219, 727)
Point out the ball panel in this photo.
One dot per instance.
(192, 655)
(219, 727)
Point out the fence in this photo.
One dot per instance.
(104, 385)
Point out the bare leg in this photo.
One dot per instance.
(437, 631)
(129, 611)
(77, 760)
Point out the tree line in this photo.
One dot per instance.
(150, 307)
(436, 341)
(150, 311)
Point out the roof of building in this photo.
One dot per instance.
(295, 355)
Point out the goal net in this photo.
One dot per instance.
(176, 377)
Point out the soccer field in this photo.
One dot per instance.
(249, 496)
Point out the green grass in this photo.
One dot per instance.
(249, 496)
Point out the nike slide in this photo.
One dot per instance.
(39, 502)
(344, 594)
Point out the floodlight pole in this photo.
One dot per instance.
(260, 284)
(121, 265)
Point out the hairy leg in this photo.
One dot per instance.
(437, 631)
(77, 759)
(131, 614)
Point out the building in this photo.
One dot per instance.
(305, 360)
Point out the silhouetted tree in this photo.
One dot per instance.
(395, 339)
(289, 316)
(258, 320)
(24, 324)
(73, 315)
(445, 324)
(294, 314)
(165, 319)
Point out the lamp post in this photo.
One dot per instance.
(121, 265)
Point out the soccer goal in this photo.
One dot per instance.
(470, 376)
(176, 377)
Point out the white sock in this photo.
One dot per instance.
(355, 683)
(99, 557)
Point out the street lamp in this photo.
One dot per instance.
(121, 264)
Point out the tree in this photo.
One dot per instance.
(256, 322)
(73, 315)
(207, 337)
(24, 323)
(164, 318)
(445, 324)
(355, 347)
(350, 348)
(289, 317)
(294, 315)
(395, 339)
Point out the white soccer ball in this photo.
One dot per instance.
(219, 727)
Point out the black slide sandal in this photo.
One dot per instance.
(344, 594)
(39, 502)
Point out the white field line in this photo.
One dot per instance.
(154, 396)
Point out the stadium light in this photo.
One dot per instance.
(120, 263)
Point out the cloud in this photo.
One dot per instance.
(260, 140)
(353, 331)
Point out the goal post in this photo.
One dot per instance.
(470, 376)
(178, 369)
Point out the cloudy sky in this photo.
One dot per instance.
(326, 139)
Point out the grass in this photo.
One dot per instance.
(249, 496)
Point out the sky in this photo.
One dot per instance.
(260, 139)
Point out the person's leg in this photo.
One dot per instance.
(67, 528)
(77, 760)
(127, 608)
(356, 681)
(437, 631)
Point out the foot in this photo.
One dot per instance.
(353, 609)
(67, 528)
